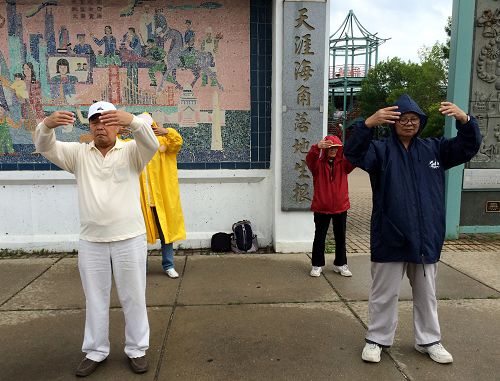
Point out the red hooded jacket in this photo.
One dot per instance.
(331, 192)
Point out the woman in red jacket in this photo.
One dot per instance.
(330, 201)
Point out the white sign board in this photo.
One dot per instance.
(481, 179)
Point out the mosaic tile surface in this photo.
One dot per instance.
(203, 68)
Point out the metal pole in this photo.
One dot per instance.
(462, 29)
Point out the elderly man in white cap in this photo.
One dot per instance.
(112, 230)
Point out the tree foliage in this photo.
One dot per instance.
(425, 82)
(447, 45)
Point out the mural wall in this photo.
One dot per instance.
(186, 62)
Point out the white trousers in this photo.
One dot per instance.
(126, 260)
(383, 302)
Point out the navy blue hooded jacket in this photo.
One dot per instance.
(408, 215)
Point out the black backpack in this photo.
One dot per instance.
(221, 242)
(243, 240)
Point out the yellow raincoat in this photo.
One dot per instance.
(160, 188)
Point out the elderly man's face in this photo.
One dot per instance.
(104, 136)
(408, 125)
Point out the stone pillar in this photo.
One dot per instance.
(299, 116)
(478, 196)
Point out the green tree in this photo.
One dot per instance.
(447, 45)
(425, 82)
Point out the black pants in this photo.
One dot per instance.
(322, 222)
(158, 226)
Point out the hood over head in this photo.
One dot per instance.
(336, 143)
(406, 104)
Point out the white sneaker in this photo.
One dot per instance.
(371, 352)
(343, 270)
(316, 271)
(172, 273)
(436, 352)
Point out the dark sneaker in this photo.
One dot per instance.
(86, 367)
(138, 364)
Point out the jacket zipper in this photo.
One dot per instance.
(417, 194)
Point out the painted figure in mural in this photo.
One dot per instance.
(408, 218)
(82, 47)
(146, 24)
(160, 25)
(329, 168)
(19, 87)
(199, 62)
(131, 41)
(189, 55)
(172, 60)
(210, 44)
(28, 96)
(6, 147)
(109, 41)
(63, 37)
(31, 106)
(189, 34)
(157, 55)
(160, 196)
(34, 93)
(62, 85)
(112, 237)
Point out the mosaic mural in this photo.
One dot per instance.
(185, 62)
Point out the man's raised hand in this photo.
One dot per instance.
(451, 109)
(384, 115)
(117, 118)
(59, 118)
(325, 143)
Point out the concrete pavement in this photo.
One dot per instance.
(248, 317)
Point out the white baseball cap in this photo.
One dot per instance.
(100, 107)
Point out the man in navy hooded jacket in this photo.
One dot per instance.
(408, 216)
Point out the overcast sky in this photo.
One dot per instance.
(410, 24)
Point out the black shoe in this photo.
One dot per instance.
(139, 364)
(87, 367)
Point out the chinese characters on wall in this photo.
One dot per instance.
(303, 90)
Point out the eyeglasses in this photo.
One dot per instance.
(406, 121)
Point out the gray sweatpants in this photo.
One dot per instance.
(383, 302)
